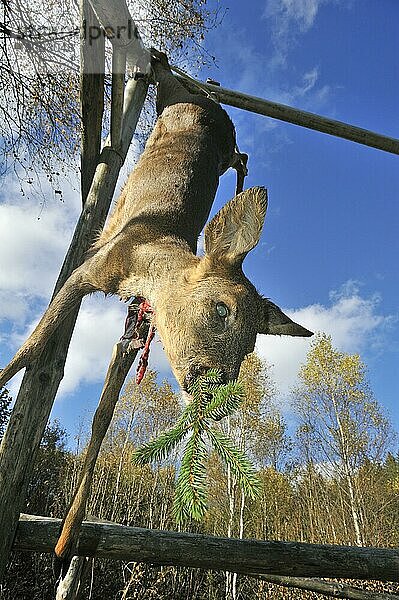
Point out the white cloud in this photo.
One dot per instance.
(31, 248)
(99, 326)
(309, 81)
(34, 234)
(288, 19)
(353, 321)
(13, 307)
(302, 12)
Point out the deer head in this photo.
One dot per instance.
(210, 314)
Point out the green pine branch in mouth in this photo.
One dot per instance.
(211, 402)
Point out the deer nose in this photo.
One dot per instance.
(194, 372)
(198, 370)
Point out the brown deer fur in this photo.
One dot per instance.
(148, 246)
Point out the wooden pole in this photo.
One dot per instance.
(122, 32)
(112, 541)
(92, 74)
(73, 570)
(117, 95)
(327, 588)
(42, 379)
(291, 115)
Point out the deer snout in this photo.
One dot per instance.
(195, 372)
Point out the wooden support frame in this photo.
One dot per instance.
(40, 384)
(292, 115)
(295, 559)
(41, 381)
(100, 172)
(122, 32)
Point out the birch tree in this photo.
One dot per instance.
(5, 403)
(342, 426)
(258, 429)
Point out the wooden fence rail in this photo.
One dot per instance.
(109, 540)
(333, 589)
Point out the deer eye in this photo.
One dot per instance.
(222, 310)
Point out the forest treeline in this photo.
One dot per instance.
(334, 479)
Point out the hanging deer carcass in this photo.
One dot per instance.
(206, 311)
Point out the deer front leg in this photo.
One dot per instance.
(71, 293)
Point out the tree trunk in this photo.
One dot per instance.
(230, 589)
(348, 476)
(241, 536)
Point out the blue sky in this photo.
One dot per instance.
(328, 253)
(330, 245)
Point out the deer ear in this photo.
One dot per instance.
(274, 322)
(236, 228)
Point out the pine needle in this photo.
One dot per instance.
(211, 401)
(237, 461)
(162, 446)
(190, 493)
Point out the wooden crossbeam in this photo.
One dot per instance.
(292, 115)
(112, 541)
(332, 589)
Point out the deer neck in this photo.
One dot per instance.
(156, 265)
